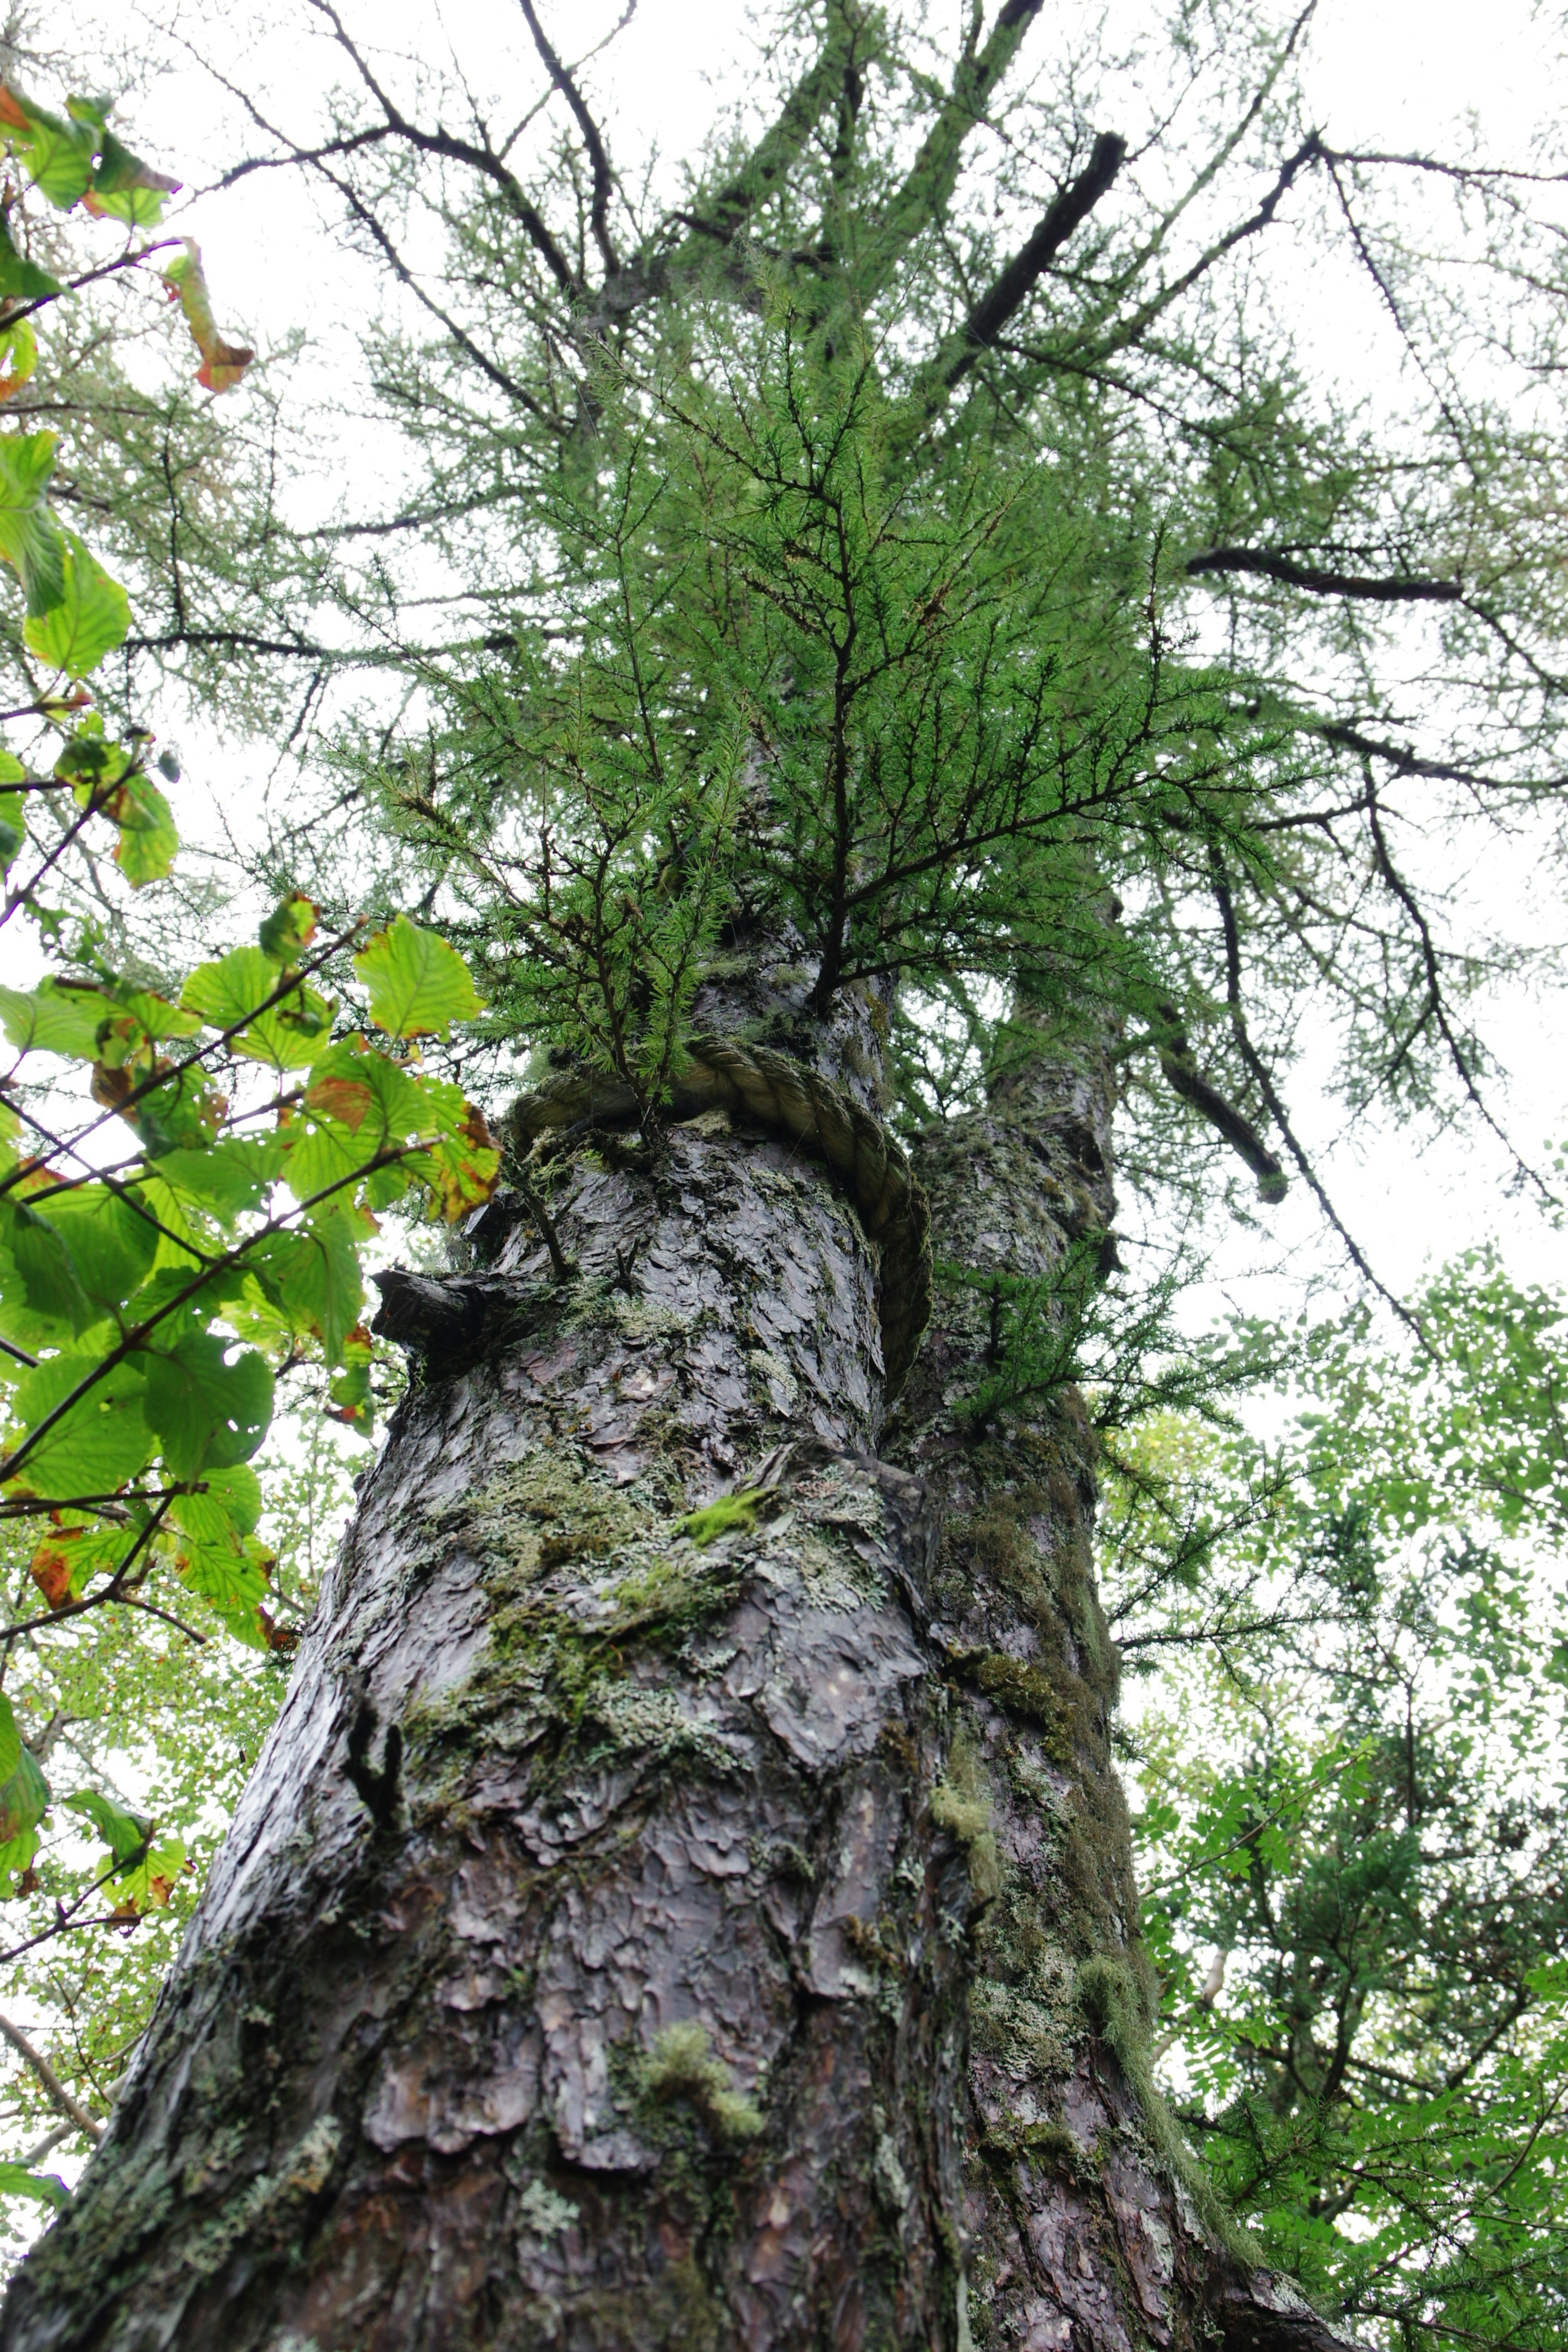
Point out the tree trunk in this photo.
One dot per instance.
(686, 1899)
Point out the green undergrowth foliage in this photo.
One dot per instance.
(193, 1162)
(1353, 1840)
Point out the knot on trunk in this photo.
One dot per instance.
(447, 1324)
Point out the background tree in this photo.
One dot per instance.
(1352, 1834)
(709, 1905)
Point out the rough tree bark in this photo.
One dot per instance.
(686, 1898)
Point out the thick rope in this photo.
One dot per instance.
(871, 1165)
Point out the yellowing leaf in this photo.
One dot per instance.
(18, 356)
(223, 363)
(418, 984)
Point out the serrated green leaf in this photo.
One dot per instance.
(10, 1738)
(228, 1178)
(149, 840)
(56, 155)
(225, 1511)
(203, 1409)
(66, 1561)
(86, 620)
(111, 1243)
(31, 540)
(24, 1798)
(124, 1833)
(52, 1018)
(95, 1447)
(233, 1581)
(148, 1885)
(42, 1301)
(126, 188)
(22, 280)
(312, 1277)
(418, 984)
(46, 2188)
(290, 1035)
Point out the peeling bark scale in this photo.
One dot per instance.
(686, 1899)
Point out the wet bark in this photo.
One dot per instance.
(686, 1898)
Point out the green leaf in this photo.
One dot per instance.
(18, 1855)
(312, 1276)
(24, 1798)
(10, 1738)
(22, 280)
(112, 1245)
(149, 1884)
(89, 761)
(289, 926)
(47, 2187)
(226, 1510)
(124, 1833)
(57, 156)
(229, 1177)
(418, 984)
(205, 1410)
(31, 540)
(349, 1395)
(126, 188)
(54, 1019)
(86, 620)
(148, 839)
(18, 356)
(95, 1447)
(71, 1555)
(233, 1580)
(42, 1300)
(289, 1034)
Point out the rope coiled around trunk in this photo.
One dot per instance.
(869, 1163)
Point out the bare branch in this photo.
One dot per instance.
(1398, 590)
(58, 2096)
(592, 140)
(1071, 206)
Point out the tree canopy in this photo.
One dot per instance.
(930, 537)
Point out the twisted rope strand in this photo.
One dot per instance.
(870, 1164)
